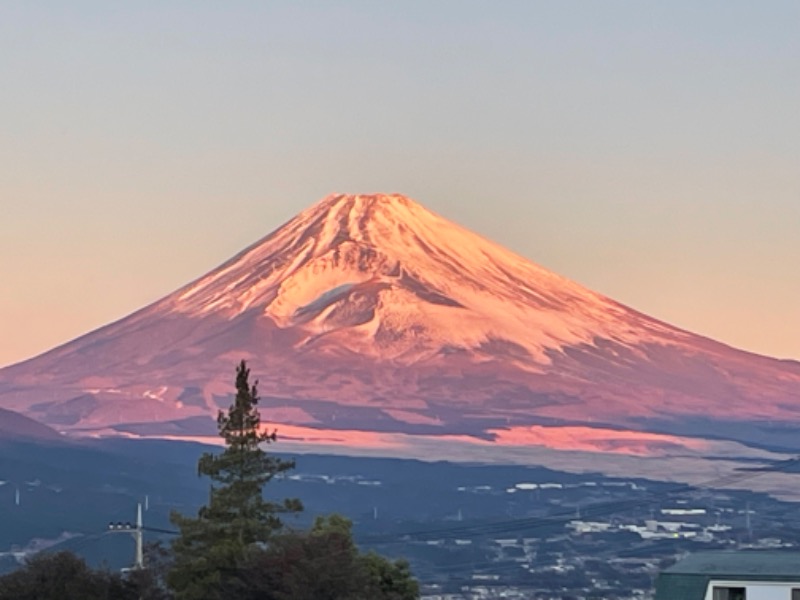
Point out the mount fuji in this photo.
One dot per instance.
(370, 313)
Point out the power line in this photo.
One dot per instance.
(159, 530)
(596, 510)
(516, 526)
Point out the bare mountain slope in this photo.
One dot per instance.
(370, 312)
(16, 427)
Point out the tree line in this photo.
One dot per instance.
(236, 546)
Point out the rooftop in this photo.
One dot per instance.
(741, 563)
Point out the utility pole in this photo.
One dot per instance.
(749, 524)
(137, 531)
(17, 496)
(139, 537)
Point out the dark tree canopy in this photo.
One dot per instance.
(324, 564)
(63, 576)
(389, 580)
(210, 548)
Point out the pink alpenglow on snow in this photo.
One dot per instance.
(371, 314)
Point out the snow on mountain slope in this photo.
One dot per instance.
(370, 312)
(409, 282)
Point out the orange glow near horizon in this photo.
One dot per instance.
(591, 439)
(571, 438)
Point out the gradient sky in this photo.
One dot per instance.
(650, 151)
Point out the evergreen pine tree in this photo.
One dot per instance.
(210, 548)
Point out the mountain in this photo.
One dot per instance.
(369, 312)
(16, 427)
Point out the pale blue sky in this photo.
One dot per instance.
(650, 151)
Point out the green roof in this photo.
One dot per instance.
(688, 579)
(674, 586)
(744, 563)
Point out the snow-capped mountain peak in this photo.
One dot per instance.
(370, 311)
(382, 275)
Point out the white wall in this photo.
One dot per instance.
(757, 590)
